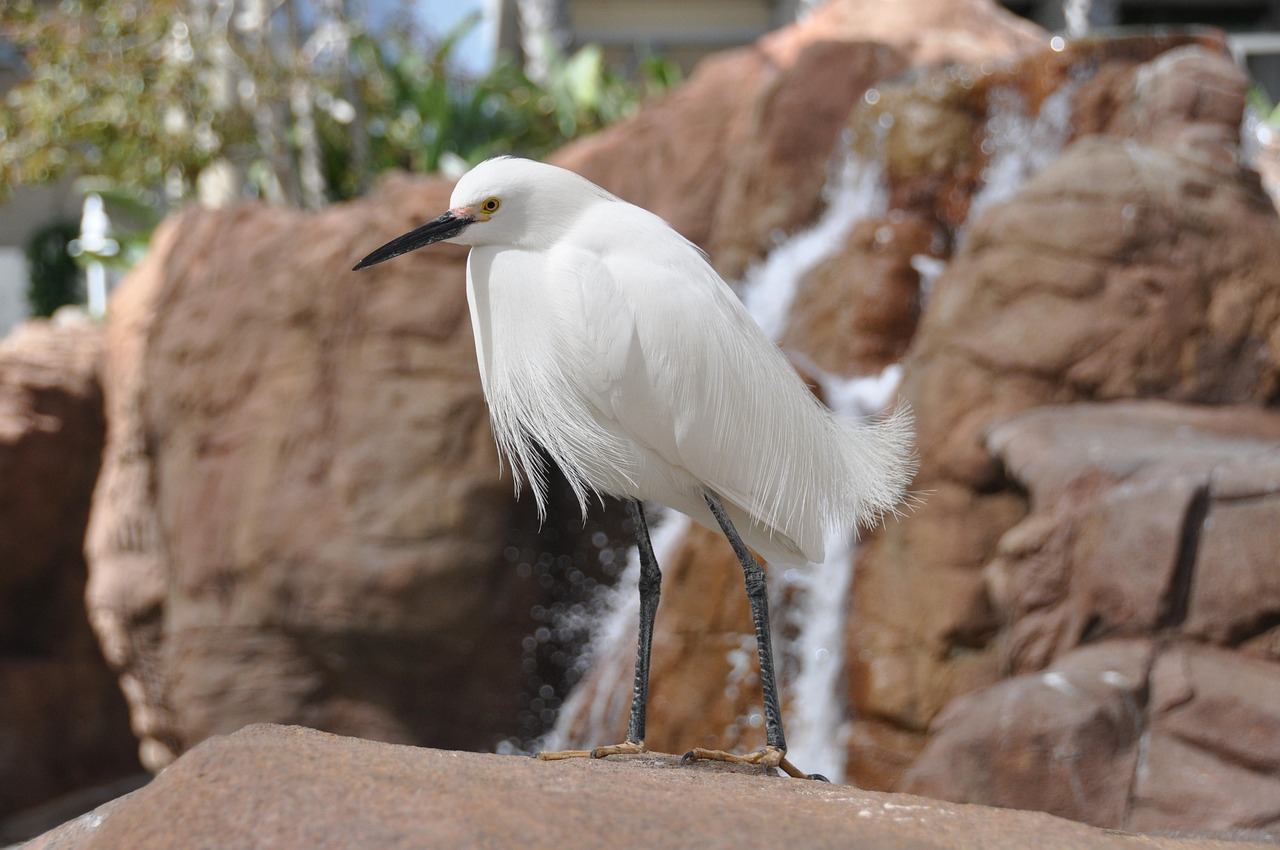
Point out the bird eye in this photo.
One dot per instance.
(490, 206)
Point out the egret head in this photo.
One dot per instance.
(503, 201)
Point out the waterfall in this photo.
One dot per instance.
(816, 731)
(1020, 144)
(855, 192)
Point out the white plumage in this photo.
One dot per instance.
(607, 339)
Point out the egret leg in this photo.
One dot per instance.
(774, 753)
(650, 591)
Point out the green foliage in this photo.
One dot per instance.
(299, 107)
(1257, 98)
(55, 277)
(112, 91)
(423, 115)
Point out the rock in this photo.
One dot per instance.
(1064, 741)
(1125, 498)
(857, 311)
(1121, 734)
(739, 154)
(1127, 268)
(1212, 756)
(63, 721)
(1142, 519)
(301, 516)
(288, 787)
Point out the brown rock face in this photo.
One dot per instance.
(1134, 267)
(63, 721)
(1125, 500)
(301, 516)
(287, 788)
(857, 311)
(1065, 740)
(739, 154)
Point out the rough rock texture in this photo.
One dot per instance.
(1146, 517)
(300, 516)
(1065, 740)
(739, 154)
(289, 788)
(63, 721)
(1131, 267)
(857, 311)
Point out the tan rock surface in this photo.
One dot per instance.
(300, 516)
(738, 155)
(294, 788)
(1126, 268)
(63, 722)
(1146, 517)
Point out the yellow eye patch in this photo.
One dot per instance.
(490, 206)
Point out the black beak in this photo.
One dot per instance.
(445, 227)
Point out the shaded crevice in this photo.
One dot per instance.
(1173, 610)
(1142, 727)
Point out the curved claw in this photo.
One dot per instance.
(819, 778)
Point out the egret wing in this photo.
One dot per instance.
(678, 365)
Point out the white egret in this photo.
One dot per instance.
(606, 340)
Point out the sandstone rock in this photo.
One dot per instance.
(63, 721)
(1124, 499)
(1065, 741)
(1124, 734)
(301, 516)
(1134, 524)
(857, 311)
(294, 788)
(739, 154)
(1124, 269)
(1212, 756)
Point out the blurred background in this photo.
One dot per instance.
(239, 484)
(150, 105)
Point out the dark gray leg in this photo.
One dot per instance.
(774, 754)
(650, 591)
(758, 594)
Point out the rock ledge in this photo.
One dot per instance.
(286, 787)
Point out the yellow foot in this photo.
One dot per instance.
(626, 748)
(769, 757)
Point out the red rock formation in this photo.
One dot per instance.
(293, 789)
(301, 517)
(1138, 267)
(63, 721)
(1145, 518)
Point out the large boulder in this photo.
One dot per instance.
(287, 788)
(1138, 266)
(63, 720)
(300, 516)
(1147, 701)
